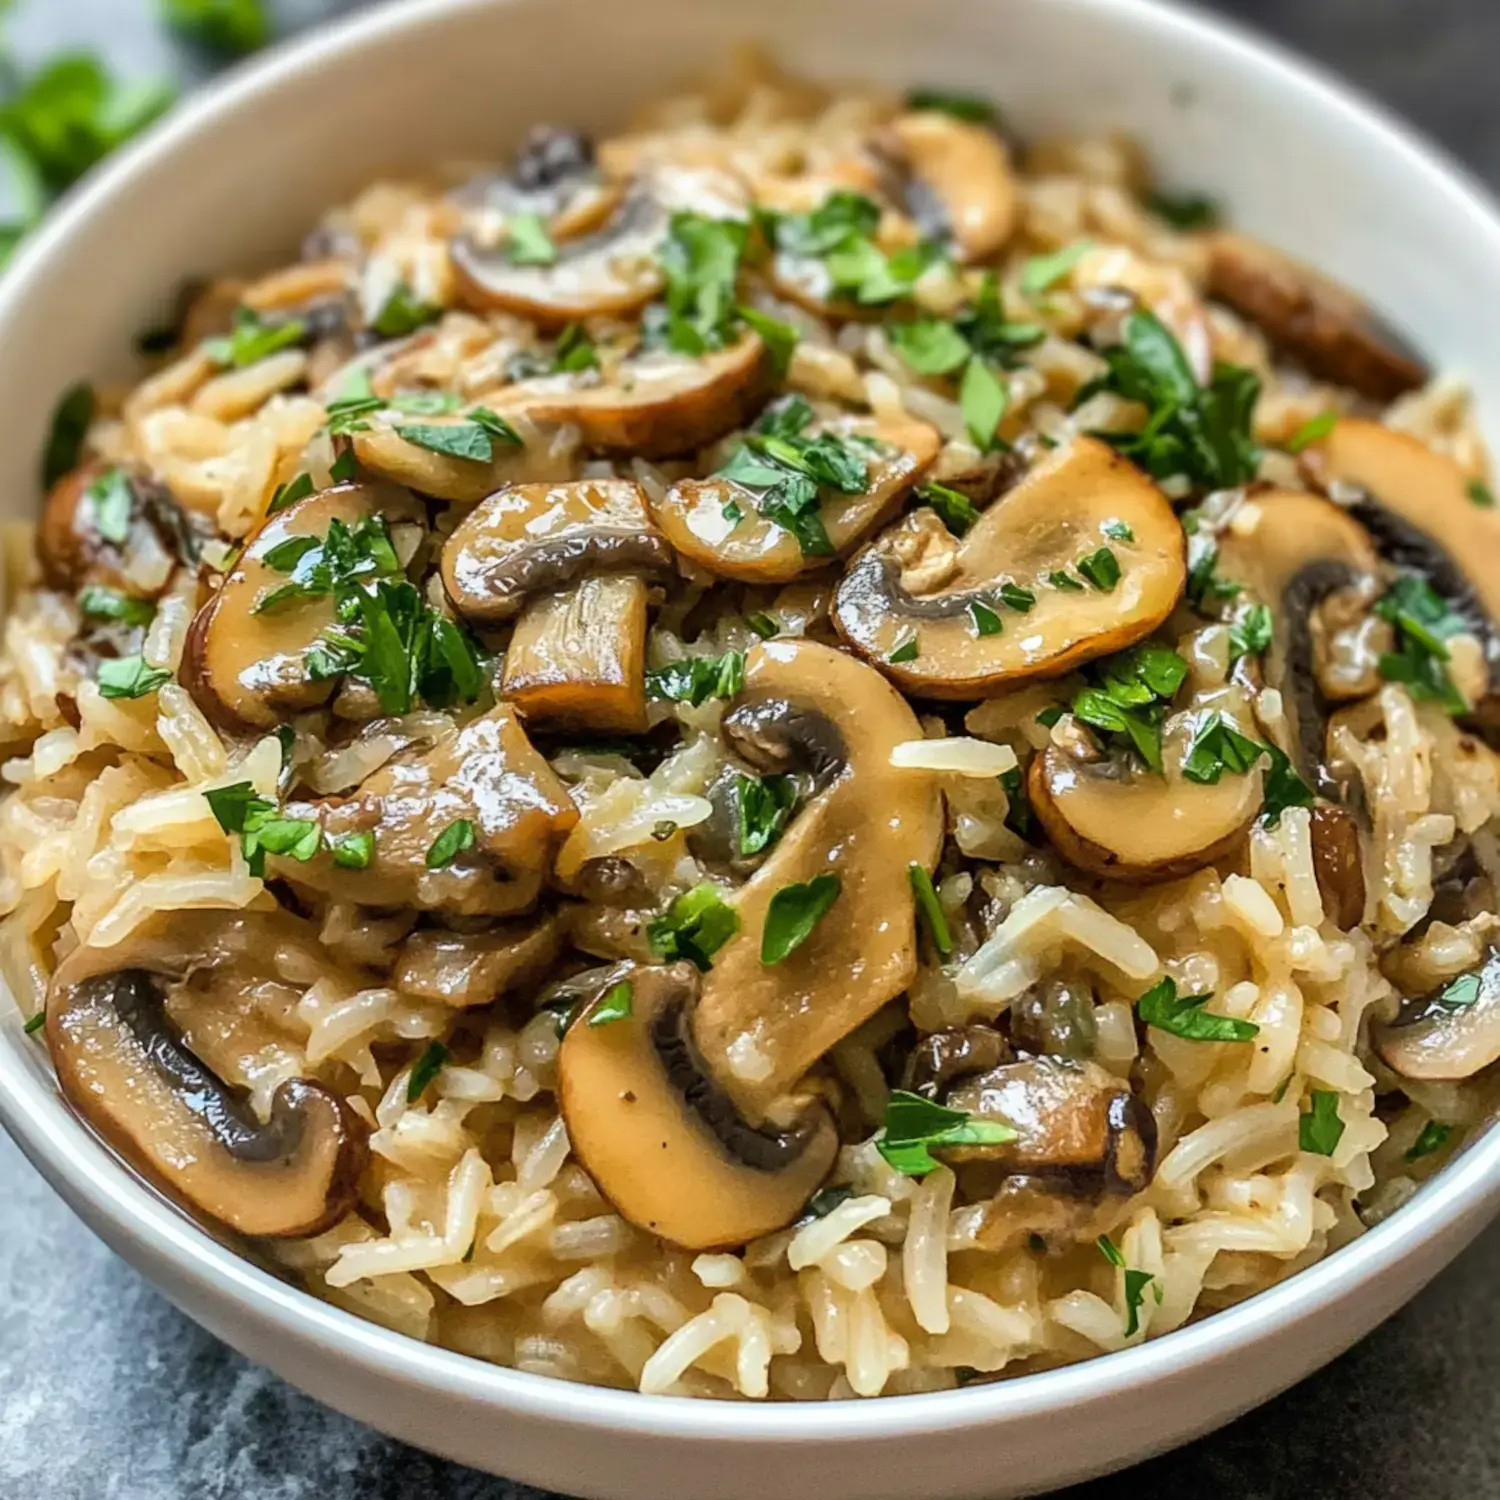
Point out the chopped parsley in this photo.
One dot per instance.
(779, 338)
(1423, 622)
(1434, 1137)
(454, 840)
(1043, 272)
(429, 1065)
(984, 619)
(1128, 695)
(1314, 430)
(1136, 1282)
(354, 851)
(290, 493)
(1110, 1251)
(527, 242)
(764, 807)
(472, 439)
(36, 1022)
(1218, 747)
(403, 312)
(906, 649)
(915, 1127)
(1319, 1130)
(1283, 788)
(954, 509)
(99, 603)
(253, 338)
(1101, 568)
(1019, 816)
(1202, 432)
(983, 399)
(701, 259)
(617, 1003)
(111, 501)
(261, 828)
(1459, 994)
(232, 27)
(930, 909)
(930, 346)
(1118, 531)
(695, 926)
(1251, 634)
(65, 436)
(1184, 210)
(1183, 1015)
(1061, 580)
(765, 626)
(1050, 715)
(696, 679)
(968, 107)
(839, 233)
(793, 913)
(1480, 494)
(1205, 589)
(130, 677)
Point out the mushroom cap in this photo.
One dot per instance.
(382, 451)
(1045, 524)
(660, 1138)
(811, 708)
(1449, 1035)
(656, 403)
(758, 550)
(247, 670)
(1314, 319)
(1115, 820)
(534, 538)
(121, 1065)
(966, 168)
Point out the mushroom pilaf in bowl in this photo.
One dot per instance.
(807, 749)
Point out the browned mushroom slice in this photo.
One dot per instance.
(963, 640)
(655, 403)
(246, 657)
(577, 658)
(1449, 1035)
(812, 710)
(943, 1057)
(535, 538)
(115, 527)
(658, 1134)
(1338, 865)
(485, 775)
(469, 969)
(1293, 552)
(1113, 818)
(1312, 318)
(1072, 1120)
(123, 1068)
(382, 449)
(715, 522)
(966, 168)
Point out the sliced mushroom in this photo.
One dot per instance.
(384, 452)
(122, 1066)
(1338, 865)
(574, 557)
(715, 522)
(662, 1139)
(966, 169)
(943, 1057)
(810, 709)
(612, 271)
(1449, 1035)
(1294, 551)
(470, 969)
(653, 403)
(486, 774)
(1072, 1119)
(247, 665)
(149, 537)
(1041, 528)
(1313, 319)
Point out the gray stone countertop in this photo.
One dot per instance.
(107, 1393)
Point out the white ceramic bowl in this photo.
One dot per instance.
(238, 174)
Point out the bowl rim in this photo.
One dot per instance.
(86, 1172)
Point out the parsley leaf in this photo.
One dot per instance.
(1251, 634)
(527, 241)
(65, 437)
(764, 807)
(1101, 568)
(234, 27)
(457, 837)
(1283, 788)
(984, 399)
(1184, 210)
(1319, 1130)
(1480, 494)
(1128, 697)
(793, 913)
(701, 259)
(100, 603)
(930, 346)
(1423, 622)
(915, 1127)
(695, 926)
(779, 338)
(1136, 1283)
(1218, 747)
(130, 677)
(617, 1003)
(354, 851)
(471, 439)
(403, 312)
(930, 910)
(696, 679)
(984, 619)
(968, 107)
(1314, 430)
(253, 339)
(1183, 1015)
(1043, 272)
(111, 500)
(429, 1065)
(956, 511)
(290, 493)
(1434, 1137)
(261, 828)
(906, 649)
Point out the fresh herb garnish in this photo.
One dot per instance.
(253, 339)
(1314, 430)
(527, 242)
(261, 828)
(1320, 1129)
(36, 1022)
(1480, 494)
(764, 807)
(695, 926)
(1065, 581)
(968, 107)
(1423, 623)
(232, 27)
(71, 418)
(99, 603)
(617, 1003)
(701, 259)
(1136, 1282)
(354, 851)
(1205, 589)
(403, 312)
(839, 232)
(793, 913)
(574, 351)
(1283, 788)
(457, 837)
(1050, 715)
(1101, 568)
(906, 649)
(1251, 634)
(1184, 210)
(1128, 697)
(930, 909)
(130, 677)
(954, 509)
(111, 501)
(779, 338)
(983, 398)
(930, 346)
(1434, 1137)
(1110, 1251)
(1020, 817)
(1183, 1015)
(1218, 747)
(765, 626)
(696, 679)
(290, 493)
(472, 439)
(1043, 272)
(429, 1065)
(1459, 994)
(915, 1127)
(984, 619)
